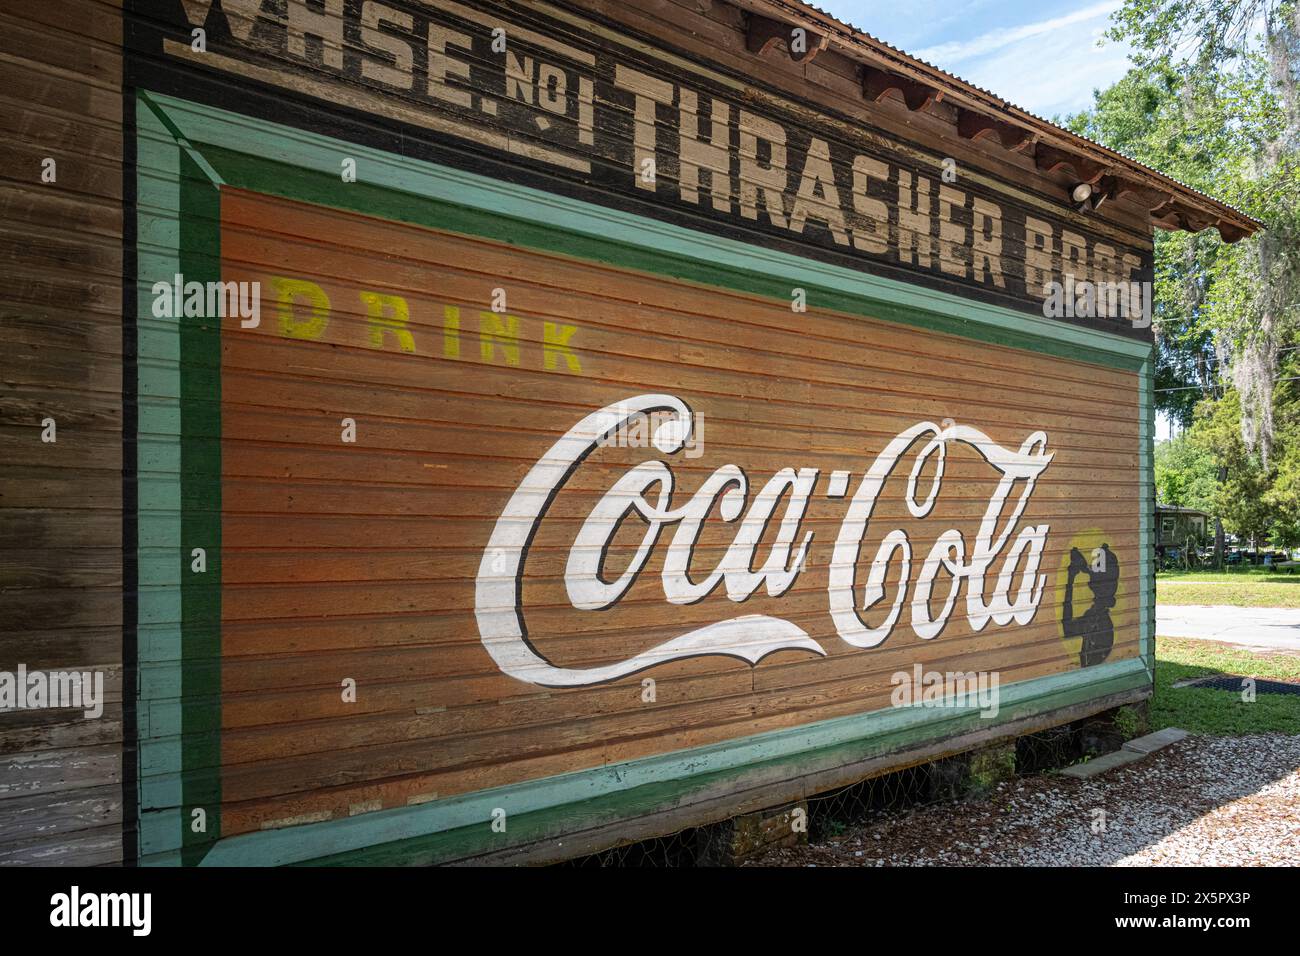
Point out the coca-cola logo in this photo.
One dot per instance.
(994, 594)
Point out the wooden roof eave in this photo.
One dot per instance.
(980, 116)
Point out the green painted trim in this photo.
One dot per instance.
(1146, 516)
(179, 469)
(460, 826)
(200, 441)
(191, 151)
(306, 166)
(157, 463)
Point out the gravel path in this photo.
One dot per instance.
(1204, 801)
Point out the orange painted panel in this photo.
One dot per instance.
(546, 515)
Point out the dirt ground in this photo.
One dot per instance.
(1204, 801)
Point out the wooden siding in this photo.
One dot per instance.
(332, 561)
(714, 31)
(781, 155)
(357, 560)
(61, 601)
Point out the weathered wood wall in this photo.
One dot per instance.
(799, 161)
(338, 560)
(715, 31)
(346, 561)
(357, 560)
(61, 600)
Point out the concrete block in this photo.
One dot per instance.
(740, 838)
(1099, 765)
(1153, 742)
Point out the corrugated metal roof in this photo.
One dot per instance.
(801, 9)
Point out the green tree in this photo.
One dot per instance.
(1283, 496)
(1206, 32)
(1239, 494)
(1217, 105)
(1214, 101)
(1186, 474)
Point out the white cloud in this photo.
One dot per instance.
(1047, 67)
(959, 50)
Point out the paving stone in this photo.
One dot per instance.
(1153, 742)
(1101, 764)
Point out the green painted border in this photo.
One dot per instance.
(158, 464)
(306, 166)
(179, 471)
(584, 799)
(186, 152)
(1146, 512)
(200, 405)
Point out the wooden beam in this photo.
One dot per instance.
(1112, 188)
(1231, 233)
(1148, 199)
(1194, 221)
(1170, 214)
(977, 126)
(1166, 216)
(1164, 209)
(1027, 145)
(877, 84)
(741, 791)
(1050, 158)
(763, 33)
(1088, 163)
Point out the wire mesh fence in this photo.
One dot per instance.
(831, 813)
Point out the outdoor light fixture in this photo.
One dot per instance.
(1087, 197)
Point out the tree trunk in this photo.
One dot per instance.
(1218, 526)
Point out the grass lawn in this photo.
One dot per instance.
(1246, 587)
(1221, 712)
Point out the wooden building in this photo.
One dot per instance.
(1179, 525)
(478, 429)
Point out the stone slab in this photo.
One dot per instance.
(1153, 742)
(1099, 765)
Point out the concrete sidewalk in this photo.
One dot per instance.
(1259, 628)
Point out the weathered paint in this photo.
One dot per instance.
(62, 500)
(178, 761)
(579, 100)
(204, 536)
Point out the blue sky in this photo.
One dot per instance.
(1042, 55)
(1039, 54)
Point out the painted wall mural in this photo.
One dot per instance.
(601, 422)
(499, 515)
(571, 100)
(1090, 590)
(1093, 626)
(500, 614)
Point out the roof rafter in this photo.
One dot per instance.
(887, 71)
